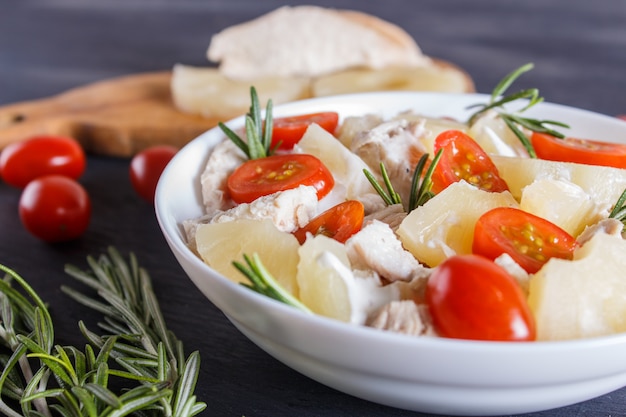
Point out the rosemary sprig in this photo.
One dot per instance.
(258, 132)
(262, 281)
(514, 120)
(390, 196)
(421, 185)
(140, 354)
(619, 210)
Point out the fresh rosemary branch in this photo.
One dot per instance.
(514, 120)
(139, 353)
(258, 133)
(619, 210)
(262, 281)
(421, 185)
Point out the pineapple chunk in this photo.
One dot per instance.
(206, 91)
(346, 167)
(585, 297)
(603, 184)
(322, 289)
(444, 226)
(415, 78)
(561, 202)
(219, 244)
(329, 287)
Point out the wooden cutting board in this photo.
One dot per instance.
(116, 117)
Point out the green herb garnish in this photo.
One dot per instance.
(514, 120)
(421, 186)
(262, 281)
(390, 197)
(258, 133)
(619, 210)
(137, 369)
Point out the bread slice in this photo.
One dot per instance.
(309, 41)
(298, 52)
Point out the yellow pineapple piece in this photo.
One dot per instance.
(219, 244)
(603, 184)
(347, 167)
(322, 288)
(206, 91)
(444, 226)
(585, 297)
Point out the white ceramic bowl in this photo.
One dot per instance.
(432, 375)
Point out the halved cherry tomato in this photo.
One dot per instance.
(55, 208)
(530, 240)
(470, 297)
(21, 162)
(258, 177)
(582, 151)
(146, 168)
(463, 159)
(339, 222)
(289, 130)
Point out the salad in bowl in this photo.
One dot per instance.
(415, 249)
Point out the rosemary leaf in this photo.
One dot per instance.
(513, 119)
(263, 282)
(521, 136)
(619, 210)
(187, 383)
(387, 196)
(88, 404)
(506, 82)
(421, 190)
(104, 394)
(258, 132)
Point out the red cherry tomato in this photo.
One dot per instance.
(55, 208)
(21, 162)
(582, 151)
(146, 168)
(339, 222)
(258, 177)
(530, 240)
(470, 297)
(289, 130)
(463, 159)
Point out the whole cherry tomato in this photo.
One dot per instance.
(21, 162)
(470, 297)
(55, 208)
(146, 168)
(263, 176)
(582, 151)
(463, 159)
(530, 240)
(339, 222)
(289, 130)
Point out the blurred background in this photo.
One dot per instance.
(575, 44)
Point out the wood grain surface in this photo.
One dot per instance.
(115, 117)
